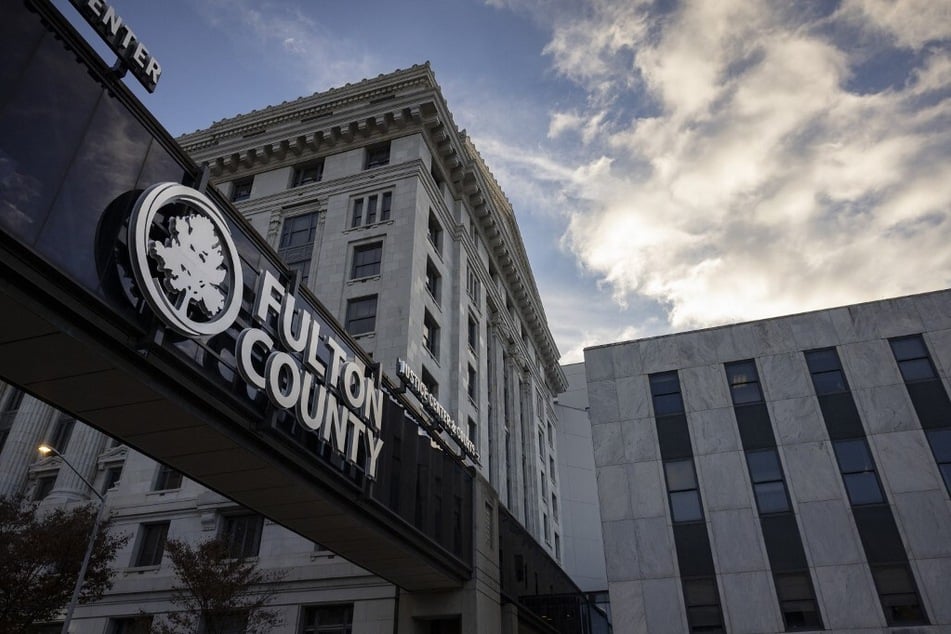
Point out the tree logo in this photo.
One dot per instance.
(184, 259)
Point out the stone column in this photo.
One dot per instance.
(85, 445)
(19, 451)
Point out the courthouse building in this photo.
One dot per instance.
(393, 233)
(789, 474)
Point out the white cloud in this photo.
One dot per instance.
(771, 186)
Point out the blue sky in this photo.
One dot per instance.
(673, 165)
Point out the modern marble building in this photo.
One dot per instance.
(789, 474)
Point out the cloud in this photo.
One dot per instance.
(733, 171)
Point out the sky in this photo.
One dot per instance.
(672, 165)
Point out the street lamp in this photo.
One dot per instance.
(46, 450)
(554, 401)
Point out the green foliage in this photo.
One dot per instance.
(40, 556)
(216, 593)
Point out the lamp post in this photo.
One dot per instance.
(46, 450)
(555, 402)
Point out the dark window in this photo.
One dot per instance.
(898, 594)
(665, 393)
(307, 173)
(858, 471)
(913, 359)
(366, 260)
(361, 315)
(167, 478)
(473, 432)
(431, 386)
(472, 334)
(744, 382)
(431, 334)
(141, 624)
(13, 401)
(434, 232)
(241, 189)
(377, 155)
(62, 432)
(940, 440)
(826, 371)
(151, 544)
(111, 478)
(797, 601)
(473, 286)
(703, 605)
(768, 484)
(370, 209)
(44, 486)
(472, 384)
(296, 247)
(433, 280)
(242, 534)
(327, 619)
(683, 491)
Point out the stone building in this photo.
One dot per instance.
(788, 474)
(382, 208)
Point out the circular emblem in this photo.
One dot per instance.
(184, 259)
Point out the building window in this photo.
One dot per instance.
(366, 260)
(472, 384)
(151, 544)
(913, 359)
(683, 492)
(242, 534)
(551, 467)
(554, 507)
(434, 232)
(377, 155)
(431, 386)
(768, 484)
(858, 471)
(940, 440)
(898, 594)
(703, 605)
(544, 484)
(141, 624)
(744, 382)
(557, 547)
(473, 286)
(241, 189)
(62, 432)
(797, 601)
(547, 525)
(826, 371)
(111, 478)
(368, 210)
(361, 315)
(327, 619)
(541, 444)
(167, 478)
(472, 334)
(310, 172)
(296, 247)
(433, 280)
(665, 394)
(44, 486)
(551, 435)
(431, 334)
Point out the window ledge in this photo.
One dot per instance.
(361, 280)
(137, 570)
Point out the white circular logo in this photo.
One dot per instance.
(184, 260)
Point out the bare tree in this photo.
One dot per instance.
(40, 557)
(216, 593)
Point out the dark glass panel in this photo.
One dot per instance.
(746, 393)
(704, 618)
(822, 360)
(664, 383)
(916, 370)
(841, 418)
(853, 455)
(693, 550)
(680, 475)
(946, 474)
(879, 534)
(700, 591)
(783, 544)
(764, 465)
(20, 32)
(771, 497)
(673, 437)
(756, 430)
(863, 488)
(42, 124)
(831, 382)
(685, 506)
(741, 372)
(931, 403)
(668, 404)
(909, 348)
(899, 596)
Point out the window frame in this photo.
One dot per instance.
(431, 334)
(355, 303)
(150, 546)
(913, 361)
(434, 232)
(672, 491)
(365, 248)
(307, 627)
(376, 155)
(238, 191)
(166, 475)
(245, 544)
(433, 281)
(871, 468)
(759, 481)
(737, 384)
(301, 170)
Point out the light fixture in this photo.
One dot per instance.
(46, 450)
